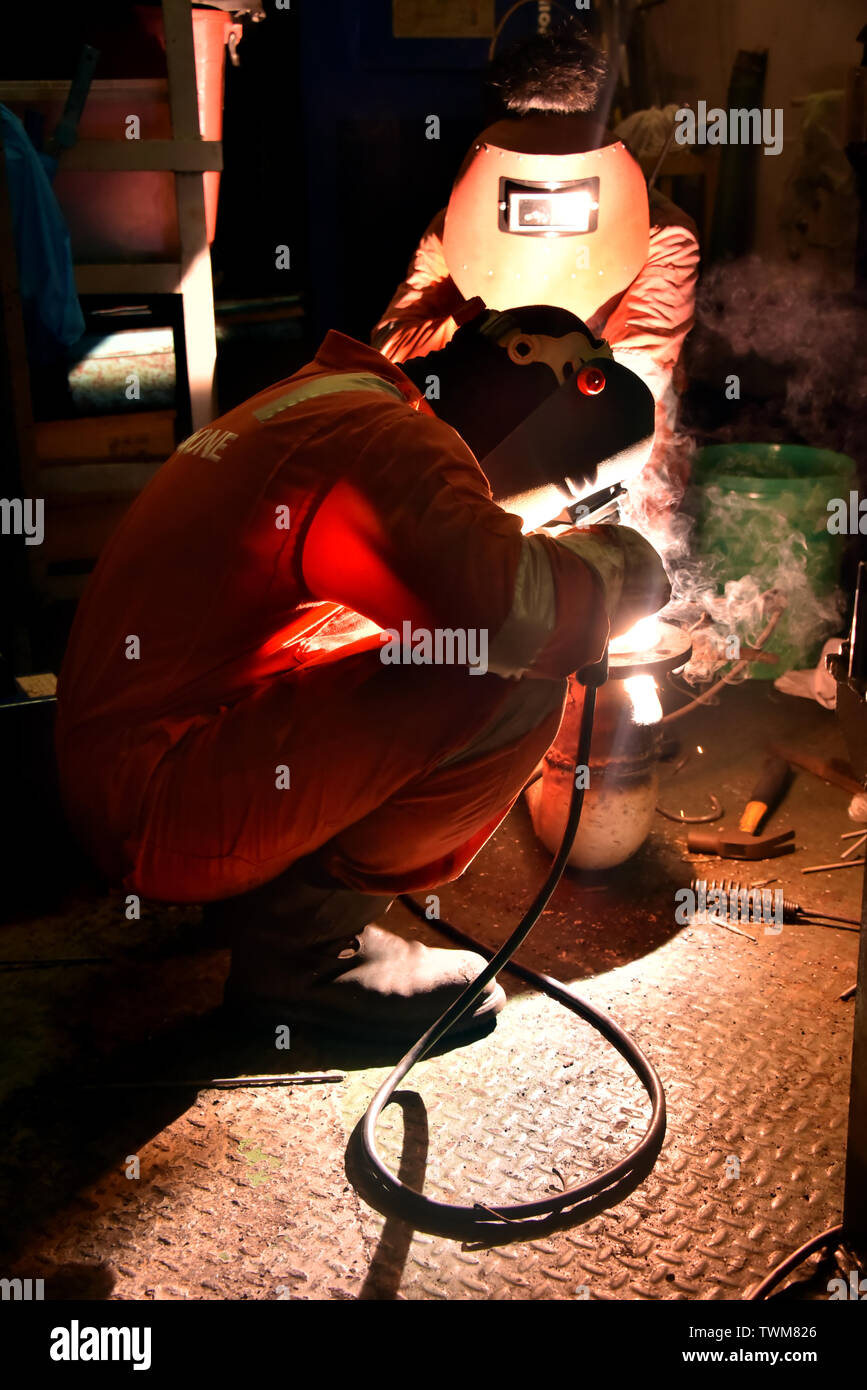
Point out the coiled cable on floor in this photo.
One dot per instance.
(422, 1211)
(828, 1240)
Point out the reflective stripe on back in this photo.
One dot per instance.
(326, 386)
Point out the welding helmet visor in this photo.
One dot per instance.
(532, 220)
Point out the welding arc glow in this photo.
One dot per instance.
(643, 693)
(568, 211)
(640, 638)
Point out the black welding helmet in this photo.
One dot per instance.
(540, 401)
(591, 432)
(549, 406)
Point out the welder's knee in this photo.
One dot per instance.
(529, 704)
(431, 828)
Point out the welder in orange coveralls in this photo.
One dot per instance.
(254, 711)
(547, 206)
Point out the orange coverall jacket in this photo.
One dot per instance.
(218, 719)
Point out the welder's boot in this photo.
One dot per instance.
(308, 954)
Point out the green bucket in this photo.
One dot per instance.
(751, 503)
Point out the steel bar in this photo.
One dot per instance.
(839, 864)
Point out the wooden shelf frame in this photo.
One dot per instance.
(188, 157)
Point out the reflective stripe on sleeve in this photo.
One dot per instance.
(532, 617)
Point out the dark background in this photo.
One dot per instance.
(324, 140)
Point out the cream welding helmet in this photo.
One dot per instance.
(535, 217)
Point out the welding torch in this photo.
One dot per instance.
(599, 509)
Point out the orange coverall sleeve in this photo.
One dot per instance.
(656, 312)
(648, 326)
(411, 534)
(419, 318)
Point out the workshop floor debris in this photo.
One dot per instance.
(243, 1194)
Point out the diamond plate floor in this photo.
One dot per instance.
(243, 1194)
(746, 1170)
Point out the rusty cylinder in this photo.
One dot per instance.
(622, 781)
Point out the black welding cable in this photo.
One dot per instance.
(415, 1206)
(827, 1240)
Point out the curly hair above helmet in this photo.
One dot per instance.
(560, 72)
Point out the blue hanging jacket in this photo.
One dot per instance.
(52, 313)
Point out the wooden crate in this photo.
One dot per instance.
(89, 472)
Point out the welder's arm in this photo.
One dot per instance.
(648, 326)
(419, 318)
(426, 544)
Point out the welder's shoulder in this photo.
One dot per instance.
(410, 438)
(666, 218)
(428, 267)
(435, 229)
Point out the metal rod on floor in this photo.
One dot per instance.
(839, 864)
(218, 1083)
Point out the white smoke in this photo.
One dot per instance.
(808, 329)
(719, 610)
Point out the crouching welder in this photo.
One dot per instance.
(228, 730)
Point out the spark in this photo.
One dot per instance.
(643, 693)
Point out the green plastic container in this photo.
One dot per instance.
(751, 503)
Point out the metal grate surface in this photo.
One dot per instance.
(245, 1195)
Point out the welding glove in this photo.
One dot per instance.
(630, 570)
